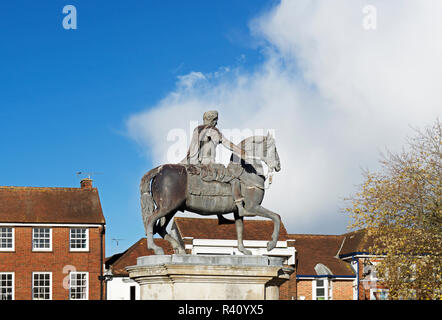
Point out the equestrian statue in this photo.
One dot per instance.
(198, 184)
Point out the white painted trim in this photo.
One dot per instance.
(13, 242)
(50, 283)
(72, 225)
(300, 277)
(234, 243)
(358, 256)
(13, 282)
(230, 247)
(87, 241)
(328, 289)
(42, 249)
(87, 284)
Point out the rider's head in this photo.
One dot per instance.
(210, 117)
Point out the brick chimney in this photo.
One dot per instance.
(86, 183)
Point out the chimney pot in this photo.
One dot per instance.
(86, 183)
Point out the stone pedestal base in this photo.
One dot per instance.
(205, 277)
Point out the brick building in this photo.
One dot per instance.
(337, 267)
(51, 243)
(118, 284)
(354, 250)
(202, 236)
(320, 273)
(327, 267)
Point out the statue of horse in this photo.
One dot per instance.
(170, 188)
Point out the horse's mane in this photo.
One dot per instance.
(248, 145)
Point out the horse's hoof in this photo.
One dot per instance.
(246, 252)
(158, 251)
(271, 245)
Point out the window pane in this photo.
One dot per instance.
(41, 238)
(78, 238)
(5, 238)
(319, 283)
(6, 286)
(42, 286)
(78, 285)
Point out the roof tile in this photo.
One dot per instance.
(204, 228)
(50, 205)
(314, 249)
(129, 257)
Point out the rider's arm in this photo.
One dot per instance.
(232, 147)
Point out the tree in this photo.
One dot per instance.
(400, 208)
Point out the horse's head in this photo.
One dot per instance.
(262, 148)
(270, 154)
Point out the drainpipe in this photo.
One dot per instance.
(357, 276)
(103, 231)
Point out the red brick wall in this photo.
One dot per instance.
(304, 289)
(288, 289)
(342, 289)
(23, 261)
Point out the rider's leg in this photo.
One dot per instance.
(237, 197)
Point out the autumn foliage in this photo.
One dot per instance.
(400, 207)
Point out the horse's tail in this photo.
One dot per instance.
(147, 201)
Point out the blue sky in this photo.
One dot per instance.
(65, 94)
(103, 98)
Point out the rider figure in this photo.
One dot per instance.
(202, 150)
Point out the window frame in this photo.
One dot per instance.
(12, 286)
(86, 249)
(327, 286)
(86, 286)
(33, 284)
(50, 240)
(12, 239)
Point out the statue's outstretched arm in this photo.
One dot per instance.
(233, 147)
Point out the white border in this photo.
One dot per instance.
(13, 241)
(13, 283)
(50, 284)
(328, 288)
(87, 241)
(50, 241)
(87, 284)
(72, 225)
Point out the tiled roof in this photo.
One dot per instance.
(129, 257)
(203, 228)
(356, 241)
(50, 205)
(314, 249)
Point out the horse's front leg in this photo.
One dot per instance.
(239, 233)
(252, 199)
(263, 212)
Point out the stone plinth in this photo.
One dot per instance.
(205, 277)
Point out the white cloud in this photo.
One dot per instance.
(335, 93)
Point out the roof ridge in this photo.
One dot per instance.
(193, 218)
(41, 188)
(315, 235)
(128, 250)
(216, 219)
